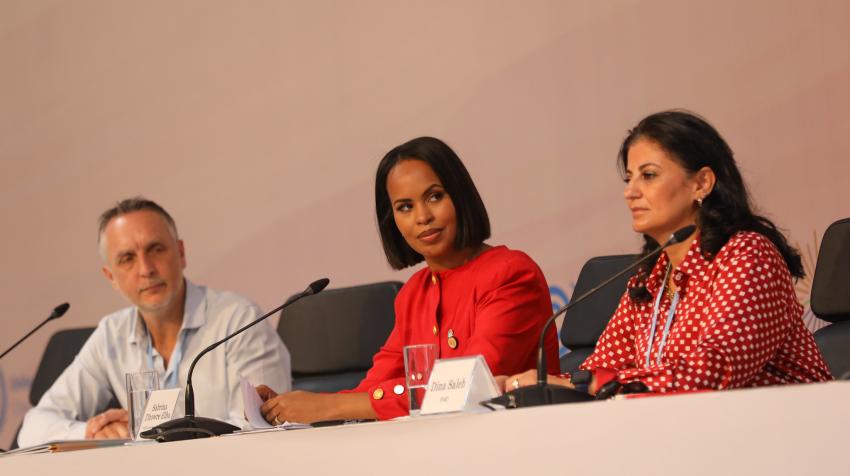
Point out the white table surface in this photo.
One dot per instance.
(801, 429)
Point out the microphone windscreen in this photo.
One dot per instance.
(317, 286)
(640, 294)
(59, 310)
(681, 234)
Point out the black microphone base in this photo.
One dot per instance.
(188, 428)
(536, 395)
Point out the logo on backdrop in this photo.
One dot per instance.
(560, 299)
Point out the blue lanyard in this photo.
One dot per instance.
(667, 324)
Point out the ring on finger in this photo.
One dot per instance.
(515, 383)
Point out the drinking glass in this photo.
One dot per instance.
(139, 387)
(418, 362)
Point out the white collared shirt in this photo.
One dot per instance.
(121, 344)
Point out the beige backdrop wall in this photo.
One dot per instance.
(259, 124)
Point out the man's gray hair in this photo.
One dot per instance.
(130, 205)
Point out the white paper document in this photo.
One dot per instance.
(253, 402)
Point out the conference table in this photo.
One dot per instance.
(797, 429)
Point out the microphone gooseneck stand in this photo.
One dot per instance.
(58, 312)
(542, 393)
(190, 426)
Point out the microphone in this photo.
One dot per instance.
(542, 393)
(58, 312)
(191, 427)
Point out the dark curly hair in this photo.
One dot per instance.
(694, 143)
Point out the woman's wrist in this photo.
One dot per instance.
(349, 406)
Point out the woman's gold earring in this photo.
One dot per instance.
(699, 202)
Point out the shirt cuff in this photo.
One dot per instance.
(77, 431)
(389, 398)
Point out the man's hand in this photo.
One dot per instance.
(113, 423)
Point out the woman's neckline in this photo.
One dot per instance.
(485, 249)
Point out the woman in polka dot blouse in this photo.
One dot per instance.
(717, 310)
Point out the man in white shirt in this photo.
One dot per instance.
(170, 322)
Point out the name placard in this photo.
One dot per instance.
(458, 385)
(159, 408)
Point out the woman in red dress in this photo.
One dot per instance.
(715, 311)
(470, 298)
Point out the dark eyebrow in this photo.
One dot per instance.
(643, 166)
(426, 192)
(431, 188)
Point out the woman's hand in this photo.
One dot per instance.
(297, 407)
(513, 382)
(265, 392)
(308, 407)
(529, 377)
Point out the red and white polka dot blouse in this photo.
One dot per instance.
(737, 324)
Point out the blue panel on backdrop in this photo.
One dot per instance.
(559, 299)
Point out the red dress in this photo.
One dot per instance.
(494, 305)
(737, 324)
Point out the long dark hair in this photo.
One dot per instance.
(694, 144)
(473, 223)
